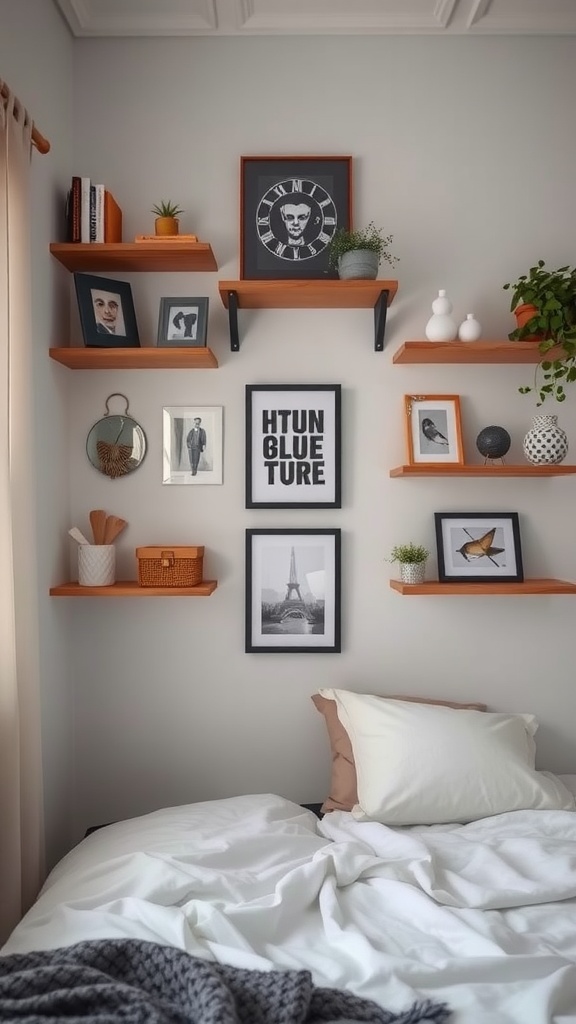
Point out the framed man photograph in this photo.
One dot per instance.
(290, 208)
(293, 446)
(183, 322)
(192, 445)
(293, 591)
(476, 547)
(433, 429)
(106, 312)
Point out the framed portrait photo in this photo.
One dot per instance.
(478, 547)
(293, 446)
(106, 312)
(433, 429)
(293, 591)
(183, 322)
(192, 445)
(290, 208)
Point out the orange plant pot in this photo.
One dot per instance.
(166, 225)
(523, 314)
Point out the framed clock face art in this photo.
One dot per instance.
(291, 207)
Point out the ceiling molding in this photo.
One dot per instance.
(318, 17)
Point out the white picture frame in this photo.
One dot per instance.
(197, 460)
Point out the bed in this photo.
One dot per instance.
(472, 920)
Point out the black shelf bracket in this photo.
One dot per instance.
(380, 310)
(233, 321)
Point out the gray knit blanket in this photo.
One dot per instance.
(128, 981)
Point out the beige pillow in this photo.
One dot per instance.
(343, 784)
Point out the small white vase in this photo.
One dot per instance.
(469, 329)
(441, 326)
(545, 444)
(412, 572)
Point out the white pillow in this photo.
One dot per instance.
(420, 764)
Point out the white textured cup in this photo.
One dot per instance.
(96, 565)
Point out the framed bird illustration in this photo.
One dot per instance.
(478, 546)
(433, 429)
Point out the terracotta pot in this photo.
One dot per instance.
(166, 225)
(523, 314)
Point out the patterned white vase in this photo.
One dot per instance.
(96, 565)
(412, 572)
(546, 443)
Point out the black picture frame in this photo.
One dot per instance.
(293, 591)
(293, 446)
(183, 322)
(320, 186)
(476, 547)
(99, 298)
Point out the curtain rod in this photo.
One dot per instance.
(38, 140)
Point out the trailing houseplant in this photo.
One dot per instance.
(369, 240)
(551, 323)
(166, 217)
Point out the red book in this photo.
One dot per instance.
(112, 219)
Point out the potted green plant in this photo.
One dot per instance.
(412, 560)
(166, 222)
(544, 302)
(358, 254)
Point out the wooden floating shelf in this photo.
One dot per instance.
(300, 294)
(534, 587)
(147, 358)
(470, 352)
(131, 588)
(449, 469)
(123, 256)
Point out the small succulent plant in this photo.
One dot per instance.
(166, 209)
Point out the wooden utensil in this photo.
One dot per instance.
(98, 524)
(114, 526)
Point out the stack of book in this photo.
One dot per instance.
(92, 213)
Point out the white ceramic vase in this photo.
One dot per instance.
(545, 444)
(441, 326)
(96, 565)
(469, 329)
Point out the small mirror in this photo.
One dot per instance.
(116, 444)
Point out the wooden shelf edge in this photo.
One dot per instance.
(449, 469)
(145, 358)
(306, 294)
(131, 588)
(154, 256)
(535, 587)
(498, 351)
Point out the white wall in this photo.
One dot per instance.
(36, 62)
(462, 149)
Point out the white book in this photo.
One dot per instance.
(84, 209)
(99, 213)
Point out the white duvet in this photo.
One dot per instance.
(482, 915)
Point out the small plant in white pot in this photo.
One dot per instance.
(412, 561)
(358, 254)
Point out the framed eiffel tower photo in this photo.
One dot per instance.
(293, 446)
(292, 591)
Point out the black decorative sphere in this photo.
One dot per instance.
(493, 442)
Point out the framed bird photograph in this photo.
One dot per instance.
(183, 322)
(476, 547)
(433, 429)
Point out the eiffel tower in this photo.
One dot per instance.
(293, 607)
